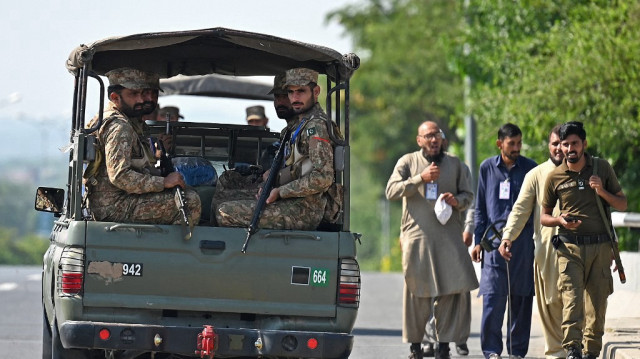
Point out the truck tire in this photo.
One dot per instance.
(46, 337)
(59, 352)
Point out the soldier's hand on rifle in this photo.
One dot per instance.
(174, 179)
(505, 249)
(274, 195)
(167, 141)
(431, 173)
(265, 175)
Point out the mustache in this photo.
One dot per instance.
(148, 107)
(297, 103)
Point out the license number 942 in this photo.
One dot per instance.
(132, 269)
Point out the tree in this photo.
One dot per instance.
(16, 207)
(538, 63)
(25, 250)
(534, 63)
(405, 79)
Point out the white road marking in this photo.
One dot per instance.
(8, 286)
(34, 277)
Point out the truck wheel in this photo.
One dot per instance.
(46, 337)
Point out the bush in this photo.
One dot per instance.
(25, 250)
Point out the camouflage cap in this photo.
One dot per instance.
(300, 77)
(255, 113)
(174, 112)
(279, 85)
(133, 79)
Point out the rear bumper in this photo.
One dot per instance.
(183, 340)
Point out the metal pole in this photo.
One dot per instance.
(470, 153)
(385, 247)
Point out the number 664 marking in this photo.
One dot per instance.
(320, 277)
(132, 269)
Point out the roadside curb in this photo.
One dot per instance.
(622, 339)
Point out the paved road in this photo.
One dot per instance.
(20, 312)
(377, 330)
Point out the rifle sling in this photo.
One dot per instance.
(605, 220)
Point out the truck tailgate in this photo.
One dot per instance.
(152, 267)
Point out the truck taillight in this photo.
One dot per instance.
(71, 271)
(71, 283)
(349, 286)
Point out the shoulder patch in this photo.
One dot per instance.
(311, 131)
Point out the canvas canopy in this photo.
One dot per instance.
(217, 50)
(215, 85)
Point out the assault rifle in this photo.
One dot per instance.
(610, 231)
(166, 167)
(616, 256)
(266, 190)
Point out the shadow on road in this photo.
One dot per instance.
(377, 332)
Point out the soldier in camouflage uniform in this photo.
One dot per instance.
(256, 116)
(122, 183)
(298, 200)
(232, 185)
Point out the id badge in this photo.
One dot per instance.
(504, 190)
(432, 191)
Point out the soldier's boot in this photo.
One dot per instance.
(416, 351)
(442, 351)
(428, 351)
(574, 353)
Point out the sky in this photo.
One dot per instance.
(36, 90)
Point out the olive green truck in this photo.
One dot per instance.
(126, 290)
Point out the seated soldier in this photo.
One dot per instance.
(172, 112)
(256, 116)
(243, 185)
(164, 141)
(300, 197)
(122, 184)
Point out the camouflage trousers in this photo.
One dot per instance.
(150, 208)
(303, 213)
(232, 186)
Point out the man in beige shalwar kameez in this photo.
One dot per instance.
(438, 271)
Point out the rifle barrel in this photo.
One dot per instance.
(266, 191)
(618, 261)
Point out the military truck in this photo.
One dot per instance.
(128, 290)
